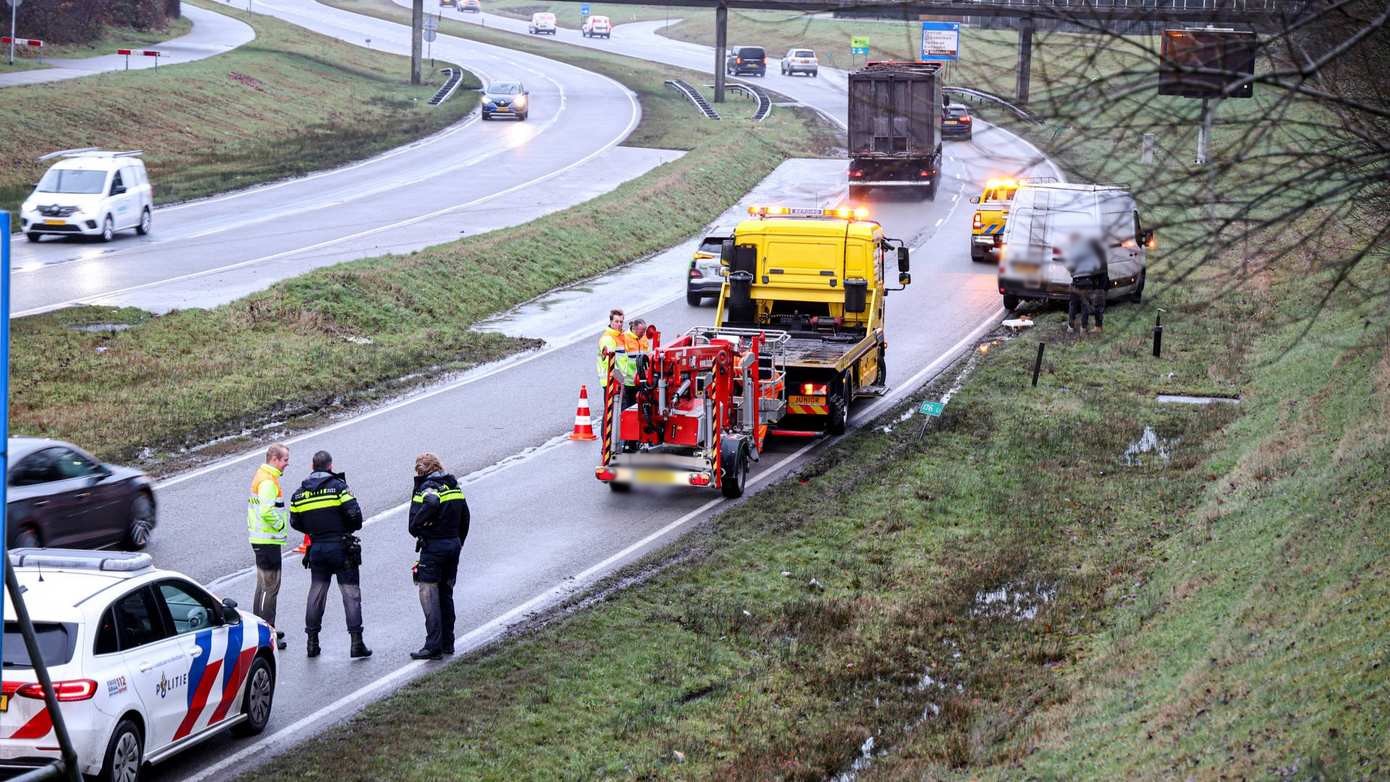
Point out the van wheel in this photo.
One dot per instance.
(618, 487)
(694, 299)
(1011, 302)
(32, 236)
(145, 221)
(108, 229)
(125, 754)
(1138, 295)
(259, 697)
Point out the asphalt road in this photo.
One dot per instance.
(543, 527)
(212, 33)
(470, 178)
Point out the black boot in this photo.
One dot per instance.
(359, 649)
(426, 654)
(311, 647)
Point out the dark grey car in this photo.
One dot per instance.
(60, 496)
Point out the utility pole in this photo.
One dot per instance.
(1025, 59)
(14, 10)
(721, 40)
(417, 31)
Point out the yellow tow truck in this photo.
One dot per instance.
(817, 276)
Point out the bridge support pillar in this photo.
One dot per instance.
(721, 42)
(417, 28)
(1025, 59)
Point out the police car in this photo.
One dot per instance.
(145, 663)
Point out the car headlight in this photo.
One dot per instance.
(520, 101)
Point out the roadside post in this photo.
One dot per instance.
(140, 53)
(14, 11)
(1037, 363)
(1158, 334)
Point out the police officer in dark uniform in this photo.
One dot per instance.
(324, 510)
(439, 523)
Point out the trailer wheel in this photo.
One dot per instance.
(618, 487)
(733, 457)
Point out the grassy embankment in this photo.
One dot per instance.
(1214, 610)
(298, 348)
(274, 108)
(112, 39)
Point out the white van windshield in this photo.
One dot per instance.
(68, 180)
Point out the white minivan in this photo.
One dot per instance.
(542, 23)
(1042, 219)
(597, 27)
(89, 192)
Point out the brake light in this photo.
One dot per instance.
(738, 60)
(695, 273)
(1056, 252)
(72, 690)
(978, 222)
(965, 119)
(605, 474)
(699, 479)
(814, 389)
(925, 172)
(855, 173)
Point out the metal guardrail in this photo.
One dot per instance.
(1240, 6)
(693, 96)
(985, 97)
(451, 86)
(764, 102)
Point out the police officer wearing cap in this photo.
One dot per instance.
(439, 523)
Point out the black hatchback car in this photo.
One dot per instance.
(60, 496)
(746, 60)
(956, 122)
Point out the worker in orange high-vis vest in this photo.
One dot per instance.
(266, 524)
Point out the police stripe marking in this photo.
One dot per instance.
(200, 680)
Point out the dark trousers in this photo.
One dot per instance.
(435, 579)
(268, 561)
(328, 560)
(1087, 299)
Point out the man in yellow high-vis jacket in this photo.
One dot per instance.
(266, 523)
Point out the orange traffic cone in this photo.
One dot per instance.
(583, 425)
(303, 547)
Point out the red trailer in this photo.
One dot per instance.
(702, 410)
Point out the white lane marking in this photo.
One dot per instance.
(956, 196)
(939, 221)
(634, 117)
(495, 627)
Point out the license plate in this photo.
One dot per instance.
(504, 108)
(4, 703)
(52, 221)
(807, 400)
(1026, 268)
(950, 122)
(655, 476)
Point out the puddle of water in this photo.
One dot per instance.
(96, 328)
(1184, 399)
(1019, 601)
(1150, 442)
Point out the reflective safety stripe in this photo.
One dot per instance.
(316, 503)
(795, 409)
(447, 495)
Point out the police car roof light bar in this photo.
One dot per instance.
(80, 559)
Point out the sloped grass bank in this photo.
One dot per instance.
(288, 103)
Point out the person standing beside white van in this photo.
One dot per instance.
(1090, 279)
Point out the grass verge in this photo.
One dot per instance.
(274, 108)
(184, 378)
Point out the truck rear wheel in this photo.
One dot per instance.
(733, 460)
(839, 407)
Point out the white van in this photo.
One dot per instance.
(542, 23)
(597, 27)
(89, 192)
(1042, 218)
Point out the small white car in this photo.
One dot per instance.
(89, 192)
(597, 27)
(800, 61)
(542, 23)
(144, 662)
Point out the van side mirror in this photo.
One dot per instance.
(902, 260)
(1146, 239)
(726, 252)
(904, 279)
(230, 615)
